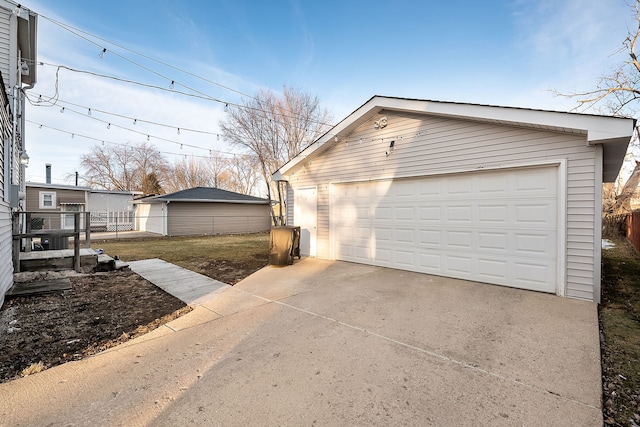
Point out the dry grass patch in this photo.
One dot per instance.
(620, 326)
(226, 258)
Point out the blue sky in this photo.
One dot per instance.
(509, 52)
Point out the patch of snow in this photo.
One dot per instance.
(607, 244)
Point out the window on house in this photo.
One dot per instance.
(47, 200)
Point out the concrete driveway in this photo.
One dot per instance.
(333, 343)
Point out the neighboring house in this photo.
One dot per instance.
(54, 206)
(499, 195)
(17, 68)
(202, 211)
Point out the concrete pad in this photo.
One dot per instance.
(186, 285)
(198, 316)
(346, 345)
(232, 301)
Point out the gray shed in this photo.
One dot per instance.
(202, 211)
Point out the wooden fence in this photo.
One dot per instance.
(633, 229)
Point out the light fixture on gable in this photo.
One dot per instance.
(381, 123)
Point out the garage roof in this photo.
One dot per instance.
(204, 194)
(613, 133)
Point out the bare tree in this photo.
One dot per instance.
(616, 92)
(119, 167)
(188, 173)
(242, 174)
(275, 128)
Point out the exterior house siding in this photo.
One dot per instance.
(5, 43)
(150, 217)
(427, 145)
(186, 218)
(52, 217)
(6, 263)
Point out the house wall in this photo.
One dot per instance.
(185, 218)
(150, 217)
(52, 217)
(6, 259)
(429, 145)
(5, 51)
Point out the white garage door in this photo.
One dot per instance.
(496, 227)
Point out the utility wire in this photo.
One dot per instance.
(105, 141)
(75, 30)
(41, 102)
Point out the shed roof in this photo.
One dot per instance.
(203, 194)
(613, 133)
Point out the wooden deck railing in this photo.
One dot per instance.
(23, 229)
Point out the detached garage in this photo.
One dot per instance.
(202, 211)
(498, 195)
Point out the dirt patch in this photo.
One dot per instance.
(100, 311)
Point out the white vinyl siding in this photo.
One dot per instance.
(5, 52)
(150, 217)
(427, 145)
(6, 259)
(210, 218)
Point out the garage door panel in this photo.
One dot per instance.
(405, 258)
(536, 182)
(459, 214)
(459, 240)
(542, 244)
(534, 276)
(493, 226)
(493, 270)
(430, 237)
(430, 214)
(493, 241)
(535, 214)
(404, 236)
(383, 213)
(492, 186)
(459, 186)
(493, 214)
(459, 264)
(430, 187)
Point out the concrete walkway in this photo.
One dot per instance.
(186, 285)
(334, 343)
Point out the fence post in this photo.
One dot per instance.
(76, 241)
(16, 242)
(87, 230)
(27, 228)
(116, 215)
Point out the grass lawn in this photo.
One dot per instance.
(209, 255)
(620, 333)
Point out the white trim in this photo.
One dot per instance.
(561, 280)
(531, 164)
(41, 204)
(561, 164)
(597, 228)
(313, 243)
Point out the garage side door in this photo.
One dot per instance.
(497, 227)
